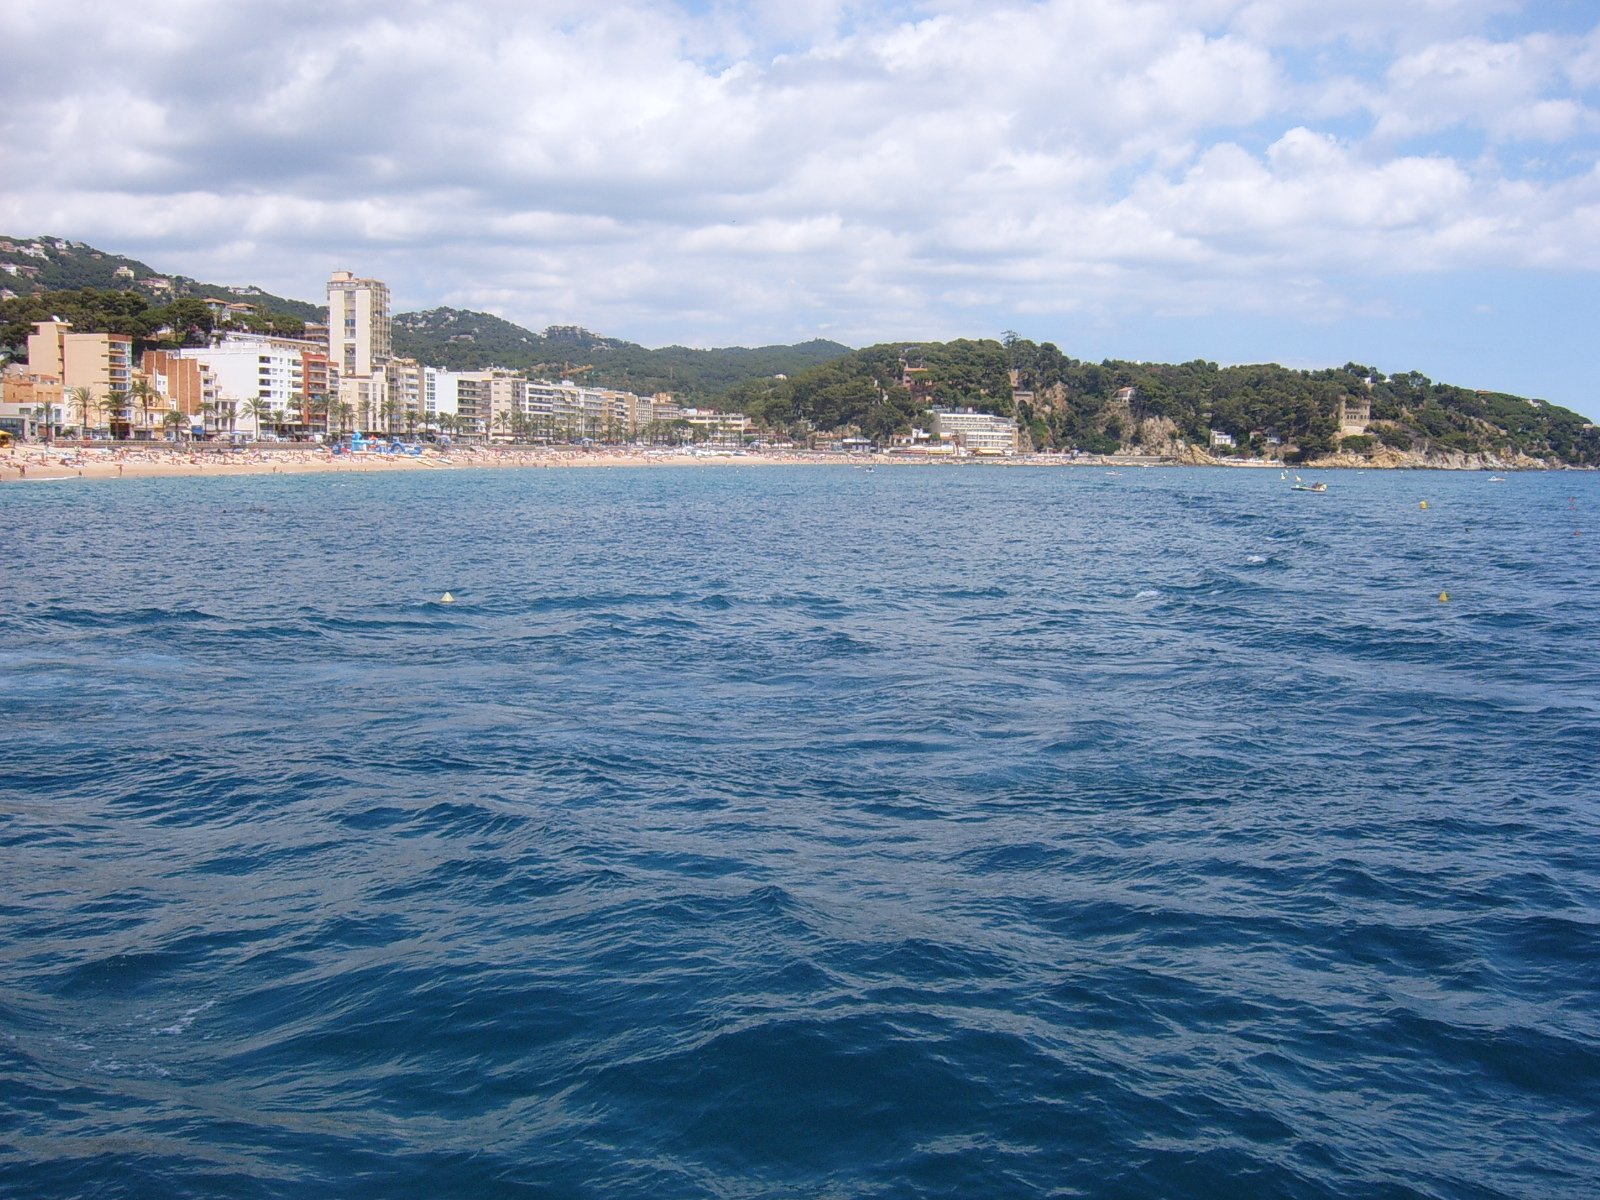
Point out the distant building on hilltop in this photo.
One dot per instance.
(1355, 413)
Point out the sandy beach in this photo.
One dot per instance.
(32, 463)
(36, 463)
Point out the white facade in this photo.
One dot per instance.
(252, 367)
(441, 394)
(981, 433)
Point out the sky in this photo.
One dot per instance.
(1405, 184)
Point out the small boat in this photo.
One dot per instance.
(1308, 487)
(1497, 479)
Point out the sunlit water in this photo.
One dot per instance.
(800, 832)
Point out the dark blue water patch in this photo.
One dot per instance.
(802, 833)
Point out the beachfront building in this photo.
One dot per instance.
(472, 401)
(31, 407)
(186, 386)
(482, 403)
(976, 432)
(403, 409)
(456, 401)
(101, 364)
(651, 417)
(260, 379)
(572, 411)
(718, 428)
(359, 346)
(503, 399)
(439, 405)
(358, 325)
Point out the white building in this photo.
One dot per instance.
(979, 433)
(254, 369)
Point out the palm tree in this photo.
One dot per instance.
(260, 409)
(175, 422)
(318, 409)
(115, 406)
(346, 413)
(145, 397)
(44, 414)
(300, 407)
(83, 399)
(228, 410)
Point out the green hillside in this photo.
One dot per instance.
(34, 266)
(1114, 406)
(467, 341)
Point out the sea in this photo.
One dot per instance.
(751, 831)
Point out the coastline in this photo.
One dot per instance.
(38, 463)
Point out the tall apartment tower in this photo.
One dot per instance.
(358, 325)
(358, 345)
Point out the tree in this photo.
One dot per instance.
(176, 424)
(145, 396)
(115, 407)
(261, 411)
(43, 415)
(82, 398)
(190, 320)
(318, 411)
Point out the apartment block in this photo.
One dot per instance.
(252, 369)
(358, 324)
(101, 362)
(977, 432)
(186, 385)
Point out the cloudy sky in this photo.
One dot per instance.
(1411, 184)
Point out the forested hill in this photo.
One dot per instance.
(34, 266)
(1113, 406)
(464, 341)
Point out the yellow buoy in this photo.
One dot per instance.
(1424, 504)
(447, 598)
(1444, 597)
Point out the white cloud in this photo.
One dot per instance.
(765, 171)
(1500, 87)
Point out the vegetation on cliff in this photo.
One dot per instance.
(1111, 406)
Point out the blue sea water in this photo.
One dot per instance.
(759, 832)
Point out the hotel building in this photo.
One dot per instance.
(977, 432)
